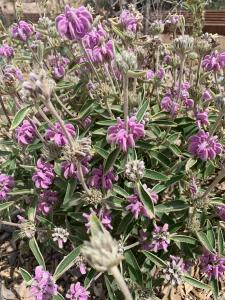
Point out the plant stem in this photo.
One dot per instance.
(5, 110)
(81, 178)
(10, 224)
(219, 177)
(63, 106)
(180, 77)
(217, 123)
(125, 99)
(121, 282)
(110, 78)
(198, 72)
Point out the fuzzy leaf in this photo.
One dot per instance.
(205, 241)
(141, 112)
(133, 267)
(20, 116)
(146, 200)
(196, 283)
(36, 252)
(155, 259)
(151, 174)
(71, 186)
(184, 239)
(215, 288)
(110, 161)
(211, 234)
(220, 242)
(67, 262)
(26, 275)
(111, 293)
(5, 205)
(172, 206)
(58, 297)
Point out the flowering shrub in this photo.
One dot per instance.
(112, 149)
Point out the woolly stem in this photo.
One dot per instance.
(180, 76)
(218, 178)
(125, 99)
(63, 106)
(5, 110)
(217, 123)
(198, 72)
(81, 178)
(121, 282)
(110, 77)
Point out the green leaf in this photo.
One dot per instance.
(58, 297)
(204, 240)
(215, 288)
(67, 262)
(32, 211)
(146, 200)
(71, 186)
(86, 109)
(106, 123)
(36, 252)
(211, 234)
(151, 174)
(22, 192)
(141, 112)
(95, 225)
(175, 150)
(190, 163)
(172, 206)
(162, 159)
(5, 205)
(155, 259)
(133, 267)
(26, 275)
(20, 116)
(118, 190)
(184, 239)
(89, 277)
(220, 242)
(110, 161)
(102, 152)
(194, 282)
(111, 293)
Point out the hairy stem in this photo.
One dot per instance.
(121, 282)
(5, 110)
(81, 178)
(63, 106)
(217, 123)
(125, 99)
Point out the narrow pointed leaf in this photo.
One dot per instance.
(20, 116)
(141, 112)
(184, 239)
(155, 259)
(220, 242)
(26, 275)
(204, 241)
(133, 267)
(215, 288)
(151, 174)
(36, 252)
(146, 200)
(196, 283)
(6, 205)
(111, 159)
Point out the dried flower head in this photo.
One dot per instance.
(134, 170)
(60, 235)
(81, 148)
(183, 45)
(102, 251)
(93, 197)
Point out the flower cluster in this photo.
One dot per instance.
(57, 135)
(100, 180)
(6, 51)
(44, 175)
(26, 133)
(58, 65)
(46, 201)
(22, 31)
(103, 215)
(125, 137)
(43, 286)
(77, 292)
(212, 265)
(214, 62)
(6, 185)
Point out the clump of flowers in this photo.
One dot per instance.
(134, 170)
(160, 238)
(70, 169)
(214, 61)
(22, 31)
(212, 265)
(100, 180)
(43, 285)
(103, 215)
(6, 185)
(46, 201)
(125, 138)
(77, 292)
(204, 146)
(44, 175)
(173, 272)
(6, 51)
(57, 134)
(58, 63)
(26, 133)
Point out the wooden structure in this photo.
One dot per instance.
(214, 21)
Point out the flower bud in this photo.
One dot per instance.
(102, 251)
(134, 170)
(126, 61)
(183, 44)
(157, 27)
(60, 235)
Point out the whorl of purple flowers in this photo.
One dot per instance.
(95, 37)
(204, 146)
(44, 175)
(129, 21)
(169, 105)
(103, 53)
(22, 31)
(70, 170)
(160, 238)
(6, 185)
(58, 64)
(212, 265)
(6, 51)
(12, 73)
(221, 212)
(57, 135)
(75, 23)
(25, 134)
(77, 292)
(214, 61)
(103, 215)
(100, 180)
(202, 118)
(43, 286)
(46, 201)
(125, 138)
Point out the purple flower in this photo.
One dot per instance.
(70, 170)
(102, 54)
(95, 37)
(129, 21)
(212, 265)
(193, 188)
(43, 286)
(202, 118)
(136, 207)
(152, 195)
(86, 122)
(143, 239)
(103, 215)
(100, 180)
(160, 238)
(57, 135)
(58, 64)
(77, 292)
(167, 59)
(75, 23)
(214, 61)
(221, 212)
(22, 31)
(206, 96)
(168, 105)
(150, 75)
(6, 185)
(25, 134)
(12, 73)
(6, 51)
(160, 74)
(125, 138)
(173, 19)
(44, 175)
(204, 146)
(46, 200)
(188, 103)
